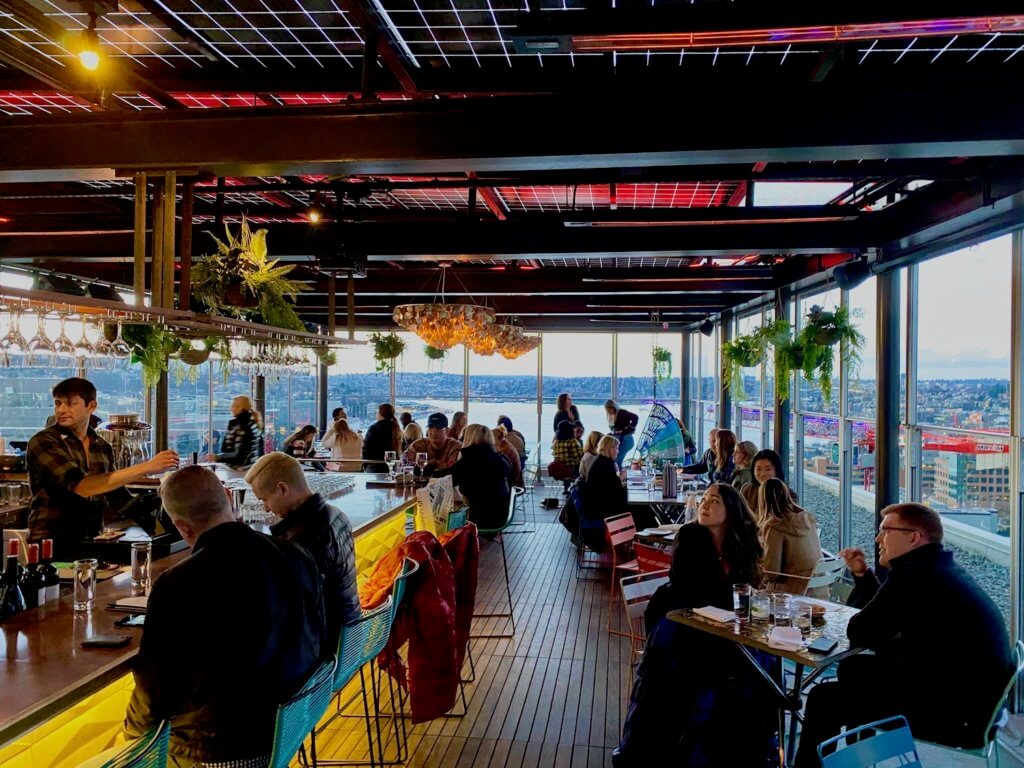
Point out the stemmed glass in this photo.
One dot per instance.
(83, 347)
(63, 347)
(41, 352)
(391, 459)
(103, 350)
(13, 342)
(119, 347)
(421, 462)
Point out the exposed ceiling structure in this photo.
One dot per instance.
(579, 166)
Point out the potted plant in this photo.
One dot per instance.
(386, 347)
(240, 280)
(326, 356)
(745, 351)
(151, 346)
(661, 360)
(433, 353)
(822, 330)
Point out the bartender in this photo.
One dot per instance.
(71, 473)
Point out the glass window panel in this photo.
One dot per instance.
(751, 394)
(188, 409)
(769, 379)
(863, 387)
(580, 364)
(355, 384)
(966, 479)
(25, 400)
(820, 474)
(500, 387)
(637, 386)
(694, 378)
(811, 399)
(709, 420)
(964, 338)
(226, 389)
(277, 419)
(750, 425)
(709, 365)
(768, 193)
(424, 386)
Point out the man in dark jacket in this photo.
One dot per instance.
(322, 529)
(942, 655)
(231, 631)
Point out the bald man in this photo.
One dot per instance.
(231, 631)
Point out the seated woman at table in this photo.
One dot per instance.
(344, 443)
(300, 443)
(481, 474)
(717, 464)
(602, 492)
(411, 434)
(589, 452)
(789, 535)
(766, 464)
(696, 700)
(743, 458)
(504, 446)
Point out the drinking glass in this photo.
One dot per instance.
(741, 602)
(41, 352)
(782, 604)
(83, 347)
(142, 557)
(760, 606)
(421, 461)
(119, 347)
(13, 341)
(63, 347)
(802, 617)
(85, 584)
(408, 475)
(391, 459)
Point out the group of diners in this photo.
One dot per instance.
(940, 651)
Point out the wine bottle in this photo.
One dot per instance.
(33, 585)
(13, 600)
(50, 578)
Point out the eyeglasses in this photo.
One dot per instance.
(884, 529)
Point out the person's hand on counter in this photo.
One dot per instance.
(162, 462)
(211, 457)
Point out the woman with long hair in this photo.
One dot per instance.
(725, 445)
(765, 465)
(566, 411)
(508, 451)
(743, 458)
(589, 452)
(411, 434)
(345, 443)
(482, 474)
(667, 723)
(383, 435)
(299, 444)
(243, 441)
(603, 493)
(790, 537)
(621, 424)
(458, 425)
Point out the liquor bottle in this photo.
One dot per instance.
(50, 578)
(13, 600)
(33, 584)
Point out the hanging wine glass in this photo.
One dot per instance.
(83, 347)
(41, 352)
(119, 348)
(63, 347)
(13, 343)
(103, 351)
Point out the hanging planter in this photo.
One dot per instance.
(386, 347)
(433, 353)
(151, 346)
(822, 330)
(661, 361)
(746, 351)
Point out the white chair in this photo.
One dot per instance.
(826, 572)
(636, 594)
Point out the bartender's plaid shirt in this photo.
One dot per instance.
(56, 464)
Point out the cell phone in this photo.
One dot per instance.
(136, 620)
(822, 645)
(106, 641)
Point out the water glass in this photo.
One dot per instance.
(408, 474)
(741, 602)
(802, 617)
(85, 584)
(782, 604)
(760, 606)
(142, 558)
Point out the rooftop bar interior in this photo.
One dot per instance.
(801, 225)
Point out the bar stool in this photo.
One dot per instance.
(150, 751)
(499, 535)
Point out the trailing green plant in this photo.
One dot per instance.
(744, 351)
(433, 353)
(329, 358)
(151, 346)
(239, 278)
(821, 331)
(386, 347)
(661, 361)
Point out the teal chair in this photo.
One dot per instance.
(150, 751)
(897, 744)
(457, 519)
(499, 535)
(999, 717)
(360, 643)
(299, 715)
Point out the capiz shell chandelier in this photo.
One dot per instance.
(519, 346)
(443, 325)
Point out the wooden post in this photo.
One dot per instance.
(156, 271)
(185, 245)
(140, 240)
(170, 205)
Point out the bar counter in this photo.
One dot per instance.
(61, 703)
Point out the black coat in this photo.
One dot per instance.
(325, 532)
(482, 476)
(561, 416)
(242, 442)
(603, 496)
(377, 440)
(944, 639)
(232, 631)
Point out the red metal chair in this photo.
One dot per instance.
(621, 532)
(651, 558)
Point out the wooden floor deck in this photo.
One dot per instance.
(555, 695)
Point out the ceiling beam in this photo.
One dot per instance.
(185, 31)
(362, 18)
(499, 135)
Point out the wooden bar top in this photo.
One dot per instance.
(44, 669)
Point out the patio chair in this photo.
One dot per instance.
(150, 751)
(895, 744)
(621, 532)
(586, 558)
(651, 558)
(636, 594)
(999, 718)
(499, 534)
(826, 572)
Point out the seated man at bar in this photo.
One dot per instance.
(942, 656)
(71, 473)
(442, 451)
(321, 528)
(231, 631)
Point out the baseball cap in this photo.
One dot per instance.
(437, 421)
